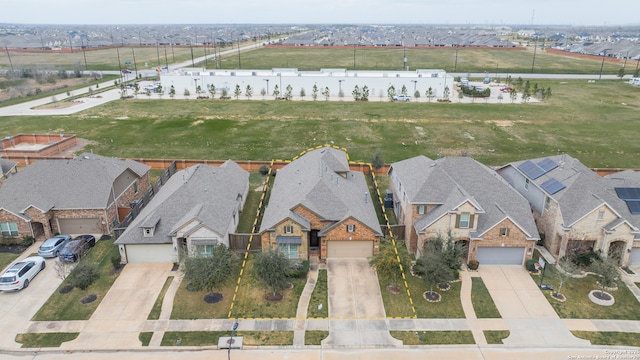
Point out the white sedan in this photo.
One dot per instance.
(19, 275)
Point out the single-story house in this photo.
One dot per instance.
(579, 211)
(319, 207)
(197, 208)
(77, 196)
(461, 197)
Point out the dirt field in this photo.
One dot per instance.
(16, 88)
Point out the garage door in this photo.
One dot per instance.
(500, 255)
(634, 257)
(151, 253)
(80, 226)
(350, 249)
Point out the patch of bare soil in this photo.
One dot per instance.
(28, 87)
(393, 290)
(78, 148)
(274, 297)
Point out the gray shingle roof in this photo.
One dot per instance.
(6, 166)
(313, 181)
(449, 182)
(203, 193)
(585, 190)
(81, 183)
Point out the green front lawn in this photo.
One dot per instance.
(320, 296)
(248, 215)
(40, 340)
(398, 305)
(495, 336)
(610, 338)
(60, 307)
(315, 337)
(578, 305)
(209, 338)
(482, 302)
(145, 338)
(434, 337)
(6, 259)
(191, 305)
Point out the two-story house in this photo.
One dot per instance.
(461, 197)
(197, 208)
(577, 210)
(318, 206)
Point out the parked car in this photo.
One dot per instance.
(506, 89)
(126, 71)
(89, 239)
(19, 275)
(74, 250)
(52, 246)
(403, 98)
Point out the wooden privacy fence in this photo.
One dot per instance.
(398, 231)
(239, 242)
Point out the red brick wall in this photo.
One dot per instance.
(492, 238)
(339, 233)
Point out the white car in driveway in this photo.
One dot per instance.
(19, 275)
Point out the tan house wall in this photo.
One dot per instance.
(549, 223)
(269, 238)
(447, 223)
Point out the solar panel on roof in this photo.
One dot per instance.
(552, 186)
(628, 193)
(634, 206)
(530, 169)
(547, 165)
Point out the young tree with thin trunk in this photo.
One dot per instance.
(386, 264)
(83, 276)
(210, 271)
(607, 270)
(274, 270)
(565, 273)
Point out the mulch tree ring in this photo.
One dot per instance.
(395, 290)
(413, 273)
(444, 287)
(89, 299)
(65, 289)
(432, 296)
(273, 297)
(558, 297)
(212, 298)
(290, 286)
(601, 298)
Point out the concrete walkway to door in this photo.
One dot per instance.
(356, 311)
(527, 313)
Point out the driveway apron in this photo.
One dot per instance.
(121, 315)
(356, 311)
(526, 311)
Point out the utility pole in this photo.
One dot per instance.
(193, 64)
(535, 46)
(9, 56)
(158, 51)
(135, 65)
(83, 53)
(166, 61)
(239, 64)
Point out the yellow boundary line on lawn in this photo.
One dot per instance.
(393, 239)
(253, 231)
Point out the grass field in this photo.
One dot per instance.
(434, 337)
(610, 338)
(156, 310)
(44, 339)
(595, 122)
(209, 338)
(468, 60)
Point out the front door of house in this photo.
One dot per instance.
(314, 242)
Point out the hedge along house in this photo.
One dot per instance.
(579, 211)
(72, 196)
(196, 209)
(319, 207)
(460, 196)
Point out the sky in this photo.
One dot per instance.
(537, 12)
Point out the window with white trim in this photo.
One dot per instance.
(288, 229)
(504, 231)
(204, 250)
(547, 203)
(421, 209)
(601, 215)
(351, 228)
(526, 184)
(289, 250)
(9, 229)
(464, 221)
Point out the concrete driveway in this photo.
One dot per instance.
(122, 314)
(17, 307)
(525, 309)
(356, 311)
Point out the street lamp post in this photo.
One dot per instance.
(340, 87)
(196, 81)
(415, 83)
(267, 80)
(604, 54)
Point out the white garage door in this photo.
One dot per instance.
(80, 226)
(150, 253)
(634, 257)
(350, 249)
(500, 255)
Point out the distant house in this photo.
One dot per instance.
(196, 209)
(7, 167)
(461, 197)
(318, 206)
(78, 196)
(579, 211)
